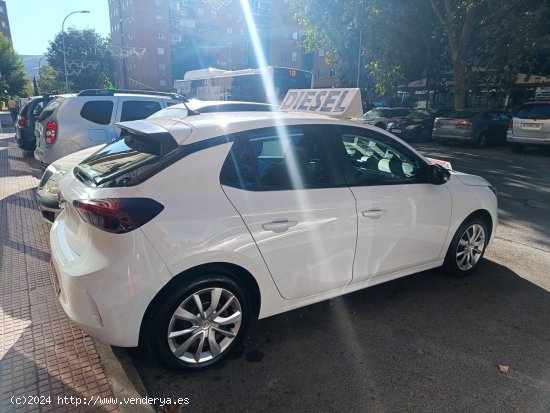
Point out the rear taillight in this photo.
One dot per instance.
(21, 124)
(118, 215)
(51, 132)
(511, 124)
(464, 123)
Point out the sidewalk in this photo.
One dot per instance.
(41, 352)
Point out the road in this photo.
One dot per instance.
(424, 343)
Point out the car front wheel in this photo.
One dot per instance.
(467, 247)
(198, 325)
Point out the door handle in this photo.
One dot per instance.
(279, 225)
(374, 213)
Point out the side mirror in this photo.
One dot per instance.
(438, 175)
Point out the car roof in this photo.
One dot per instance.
(198, 104)
(196, 128)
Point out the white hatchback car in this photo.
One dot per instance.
(180, 234)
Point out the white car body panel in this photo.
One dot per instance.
(404, 226)
(298, 262)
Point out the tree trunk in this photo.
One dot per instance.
(459, 69)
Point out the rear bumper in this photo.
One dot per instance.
(107, 290)
(511, 138)
(453, 135)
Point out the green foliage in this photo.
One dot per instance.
(13, 80)
(48, 81)
(403, 41)
(89, 61)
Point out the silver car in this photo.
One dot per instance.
(72, 122)
(530, 126)
(380, 117)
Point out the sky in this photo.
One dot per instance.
(34, 23)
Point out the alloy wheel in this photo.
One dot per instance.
(470, 247)
(204, 325)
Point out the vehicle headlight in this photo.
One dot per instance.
(52, 185)
(390, 125)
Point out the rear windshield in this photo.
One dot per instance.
(50, 109)
(112, 159)
(462, 114)
(534, 111)
(128, 161)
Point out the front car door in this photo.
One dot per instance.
(291, 194)
(402, 219)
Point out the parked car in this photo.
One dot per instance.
(380, 117)
(180, 234)
(417, 125)
(530, 126)
(74, 122)
(26, 120)
(478, 126)
(47, 193)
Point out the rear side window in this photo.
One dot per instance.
(265, 160)
(138, 109)
(98, 111)
(534, 111)
(50, 109)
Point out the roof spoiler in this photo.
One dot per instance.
(147, 137)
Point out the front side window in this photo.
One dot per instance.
(266, 160)
(373, 161)
(138, 109)
(97, 111)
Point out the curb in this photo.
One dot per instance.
(123, 377)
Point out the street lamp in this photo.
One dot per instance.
(64, 52)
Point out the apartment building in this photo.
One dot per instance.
(4, 21)
(157, 41)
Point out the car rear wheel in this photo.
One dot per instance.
(517, 147)
(467, 247)
(199, 324)
(482, 140)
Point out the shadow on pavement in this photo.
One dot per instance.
(421, 343)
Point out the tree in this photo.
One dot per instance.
(483, 42)
(392, 38)
(48, 81)
(13, 80)
(89, 61)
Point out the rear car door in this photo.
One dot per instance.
(292, 197)
(402, 219)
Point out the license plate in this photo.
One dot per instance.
(395, 130)
(531, 125)
(55, 279)
(448, 126)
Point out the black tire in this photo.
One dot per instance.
(517, 147)
(482, 140)
(452, 265)
(155, 337)
(380, 125)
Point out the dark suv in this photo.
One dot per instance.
(24, 130)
